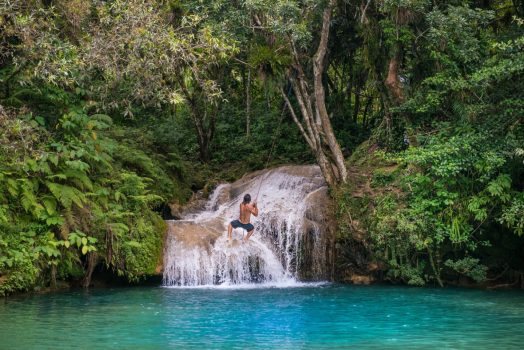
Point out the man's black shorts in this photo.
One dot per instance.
(247, 227)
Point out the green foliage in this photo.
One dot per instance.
(268, 60)
(66, 195)
(468, 267)
(381, 177)
(83, 242)
(513, 215)
(458, 192)
(459, 184)
(411, 275)
(445, 199)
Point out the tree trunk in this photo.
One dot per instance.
(366, 111)
(393, 79)
(390, 88)
(53, 276)
(91, 263)
(248, 103)
(315, 125)
(434, 268)
(204, 121)
(320, 99)
(309, 129)
(350, 81)
(326, 168)
(203, 150)
(356, 109)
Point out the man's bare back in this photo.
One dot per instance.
(245, 212)
(244, 221)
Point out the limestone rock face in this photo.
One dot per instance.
(293, 237)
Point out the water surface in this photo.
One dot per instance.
(311, 317)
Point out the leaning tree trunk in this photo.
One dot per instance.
(315, 125)
(320, 97)
(309, 130)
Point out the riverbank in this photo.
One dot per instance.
(401, 220)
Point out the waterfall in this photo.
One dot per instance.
(288, 245)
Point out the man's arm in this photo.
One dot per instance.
(254, 209)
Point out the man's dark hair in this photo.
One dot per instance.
(247, 198)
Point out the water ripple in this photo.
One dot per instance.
(304, 317)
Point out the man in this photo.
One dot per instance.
(246, 209)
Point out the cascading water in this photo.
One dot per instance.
(288, 243)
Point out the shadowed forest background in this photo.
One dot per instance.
(413, 109)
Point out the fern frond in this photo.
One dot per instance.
(66, 195)
(82, 180)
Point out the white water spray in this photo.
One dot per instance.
(285, 246)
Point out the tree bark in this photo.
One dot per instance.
(393, 80)
(366, 111)
(434, 268)
(53, 276)
(356, 108)
(315, 124)
(311, 135)
(248, 103)
(320, 98)
(204, 121)
(91, 263)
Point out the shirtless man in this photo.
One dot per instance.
(246, 209)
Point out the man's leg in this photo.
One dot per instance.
(229, 232)
(249, 235)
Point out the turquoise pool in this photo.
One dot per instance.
(308, 317)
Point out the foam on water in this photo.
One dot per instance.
(212, 204)
(243, 286)
(249, 262)
(272, 257)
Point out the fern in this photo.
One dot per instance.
(66, 195)
(49, 205)
(12, 187)
(29, 200)
(80, 178)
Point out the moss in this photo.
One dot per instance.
(22, 277)
(142, 254)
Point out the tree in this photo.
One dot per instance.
(287, 24)
(151, 57)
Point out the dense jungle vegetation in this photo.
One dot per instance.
(413, 109)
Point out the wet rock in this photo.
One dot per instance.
(176, 211)
(360, 279)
